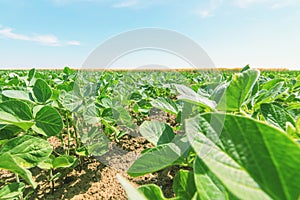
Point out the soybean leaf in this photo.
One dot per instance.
(8, 131)
(90, 115)
(48, 121)
(10, 164)
(6, 118)
(73, 101)
(42, 90)
(219, 92)
(239, 88)
(160, 157)
(189, 95)
(12, 191)
(151, 191)
(47, 164)
(64, 161)
(28, 151)
(16, 113)
(17, 94)
(17, 108)
(156, 132)
(132, 193)
(250, 161)
(122, 116)
(184, 185)
(95, 141)
(298, 125)
(68, 71)
(209, 187)
(247, 67)
(31, 74)
(268, 96)
(276, 115)
(270, 84)
(166, 105)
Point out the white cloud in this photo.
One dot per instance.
(136, 4)
(49, 40)
(281, 4)
(73, 43)
(125, 4)
(246, 3)
(63, 2)
(208, 10)
(204, 13)
(270, 3)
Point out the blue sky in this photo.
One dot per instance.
(56, 33)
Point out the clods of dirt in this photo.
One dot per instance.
(96, 176)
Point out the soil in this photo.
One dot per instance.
(95, 178)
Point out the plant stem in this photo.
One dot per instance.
(17, 178)
(68, 131)
(52, 181)
(74, 124)
(18, 181)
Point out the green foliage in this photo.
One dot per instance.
(184, 179)
(156, 132)
(238, 90)
(268, 174)
(41, 91)
(230, 134)
(276, 115)
(12, 191)
(48, 121)
(160, 157)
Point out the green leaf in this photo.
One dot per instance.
(166, 105)
(82, 151)
(270, 84)
(247, 67)
(291, 130)
(28, 151)
(31, 74)
(8, 131)
(219, 92)
(238, 90)
(151, 191)
(184, 185)
(276, 115)
(90, 115)
(95, 141)
(298, 125)
(47, 164)
(17, 94)
(48, 121)
(64, 161)
(73, 101)
(189, 95)
(257, 162)
(132, 193)
(268, 96)
(160, 157)
(6, 118)
(209, 187)
(12, 191)
(67, 70)
(156, 132)
(10, 164)
(17, 108)
(42, 91)
(123, 117)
